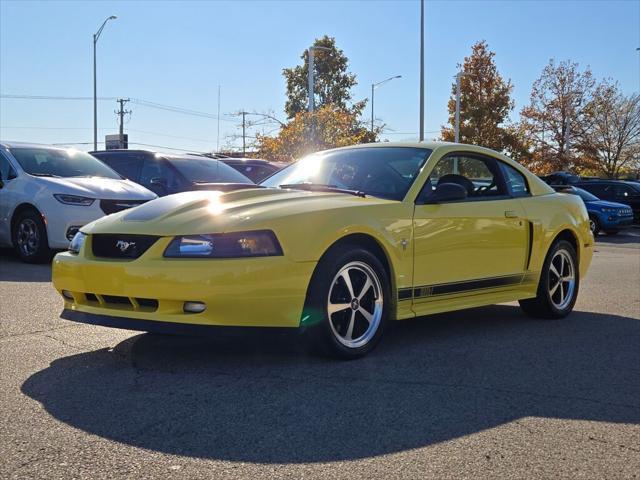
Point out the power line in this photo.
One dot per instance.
(137, 101)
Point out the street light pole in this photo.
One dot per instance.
(457, 121)
(310, 79)
(96, 36)
(311, 86)
(373, 88)
(421, 70)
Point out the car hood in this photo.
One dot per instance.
(97, 187)
(606, 204)
(200, 212)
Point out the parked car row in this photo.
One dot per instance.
(48, 193)
(605, 216)
(625, 194)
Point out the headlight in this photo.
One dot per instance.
(609, 210)
(73, 199)
(77, 242)
(258, 243)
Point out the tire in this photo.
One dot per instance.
(555, 299)
(347, 333)
(594, 224)
(29, 235)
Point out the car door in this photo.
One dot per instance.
(470, 246)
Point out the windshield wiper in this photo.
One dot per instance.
(37, 174)
(321, 187)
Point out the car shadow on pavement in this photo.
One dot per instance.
(626, 237)
(12, 269)
(258, 398)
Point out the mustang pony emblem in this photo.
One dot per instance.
(124, 246)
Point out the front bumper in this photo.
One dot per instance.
(616, 222)
(256, 292)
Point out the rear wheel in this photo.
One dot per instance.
(558, 286)
(348, 303)
(30, 238)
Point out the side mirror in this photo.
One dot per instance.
(1, 183)
(447, 192)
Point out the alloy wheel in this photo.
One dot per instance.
(28, 238)
(355, 304)
(562, 279)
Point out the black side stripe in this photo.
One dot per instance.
(464, 286)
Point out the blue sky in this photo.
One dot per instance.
(177, 53)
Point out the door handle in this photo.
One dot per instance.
(510, 214)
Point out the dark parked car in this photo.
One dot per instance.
(165, 174)
(254, 168)
(603, 215)
(561, 178)
(618, 191)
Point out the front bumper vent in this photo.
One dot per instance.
(115, 302)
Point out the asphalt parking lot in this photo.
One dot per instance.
(484, 393)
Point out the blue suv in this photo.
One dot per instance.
(605, 216)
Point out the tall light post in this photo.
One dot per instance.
(459, 75)
(96, 36)
(310, 73)
(421, 70)
(373, 88)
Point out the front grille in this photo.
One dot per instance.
(126, 247)
(113, 206)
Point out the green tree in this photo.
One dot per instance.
(332, 127)
(485, 102)
(333, 82)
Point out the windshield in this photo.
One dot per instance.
(385, 172)
(586, 196)
(57, 162)
(207, 170)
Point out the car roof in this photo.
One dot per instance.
(168, 156)
(255, 161)
(607, 180)
(9, 144)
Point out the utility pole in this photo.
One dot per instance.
(421, 70)
(218, 137)
(121, 113)
(244, 144)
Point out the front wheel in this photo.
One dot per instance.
(558, 286)
(348, 303)
(594, 225)
(30, 238)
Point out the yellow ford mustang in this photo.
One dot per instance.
(338, 244)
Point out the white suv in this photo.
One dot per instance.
(48, 193)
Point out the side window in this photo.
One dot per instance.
(480, 176)
(4, 168)
(155, 168)
(516, 182)
(623, 191)
(126, 165)
(597, 190)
